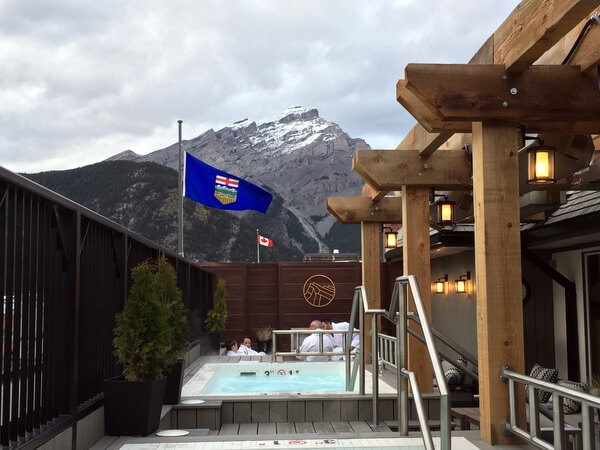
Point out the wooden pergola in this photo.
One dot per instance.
(519, 79)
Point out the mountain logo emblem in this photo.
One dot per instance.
(226, 189)
(318, 290)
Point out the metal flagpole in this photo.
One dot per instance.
(257, 246)
(180, 190)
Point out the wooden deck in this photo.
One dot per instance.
(249, 430)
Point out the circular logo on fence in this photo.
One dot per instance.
(319, 290)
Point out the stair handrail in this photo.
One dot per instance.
(446, 340)
(359, 360)
(387, 340)
(294, 335)
(398, 304)
(533, 433)
(397, 314)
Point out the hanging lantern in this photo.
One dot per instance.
(540, 161)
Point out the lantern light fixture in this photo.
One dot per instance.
(391, 237)
(445, 211)
(462, 284)
(540, 165)
(439, 286)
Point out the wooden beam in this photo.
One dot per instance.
(389, 170)
(417, 262)
(587, 55)
(422, 109)
(361, 209)
(514, 45)
(418, 138)
(372, 193)
(533, 27)
(498, 271)
(464, 92)
(371, 274)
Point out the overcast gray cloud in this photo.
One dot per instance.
(83, 80)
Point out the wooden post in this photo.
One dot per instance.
(371, 275)
(498, 270)
(417, 262)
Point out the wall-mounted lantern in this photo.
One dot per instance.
(463, 283)
(439, 286)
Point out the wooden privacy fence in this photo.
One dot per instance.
(291, 295)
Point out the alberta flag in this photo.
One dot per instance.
(218, 189)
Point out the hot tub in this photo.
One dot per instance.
(260, 378)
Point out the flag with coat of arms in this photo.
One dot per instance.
(218, 189)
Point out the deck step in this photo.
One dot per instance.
(302, 428)
(413, 425)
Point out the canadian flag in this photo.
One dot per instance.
(264, 241)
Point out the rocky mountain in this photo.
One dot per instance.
(295, 154)
(143, 198)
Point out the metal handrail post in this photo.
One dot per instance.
(374, 370)
(420, 407)
(355, 300)
(401, 348)
(445, 437)
(361, 326)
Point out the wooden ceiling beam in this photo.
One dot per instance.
(521, 39)
(363, 209)
(526, 34)
(587, 54)
(473, 93)
(418, 138)
(372, 193)
(533, 27)
(389, 170)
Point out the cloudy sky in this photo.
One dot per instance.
(83, 80)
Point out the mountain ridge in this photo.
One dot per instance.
(143, 198)
(296, 153)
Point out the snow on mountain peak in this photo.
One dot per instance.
(289, 114)
(293, 128)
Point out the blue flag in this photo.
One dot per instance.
(218, 189)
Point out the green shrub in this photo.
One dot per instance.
(165, 279)
(217, 315)
(152, 330)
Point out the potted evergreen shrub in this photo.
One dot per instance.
(143, 345)
(170, 295)
(216, 317)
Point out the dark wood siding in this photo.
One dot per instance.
(271, 293)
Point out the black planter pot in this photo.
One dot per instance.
(174, 383)
(132, 408)
(264, 346)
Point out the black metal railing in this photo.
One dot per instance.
(64, 274)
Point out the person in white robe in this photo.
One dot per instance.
(312, 343)
(338, 338)
(232, 348)
(246, 348)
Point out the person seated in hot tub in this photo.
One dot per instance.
(232, 348)
(312, 343)
(338, 338)
(246, 348)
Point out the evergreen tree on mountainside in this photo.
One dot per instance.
(345, 237)
(143, 198)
